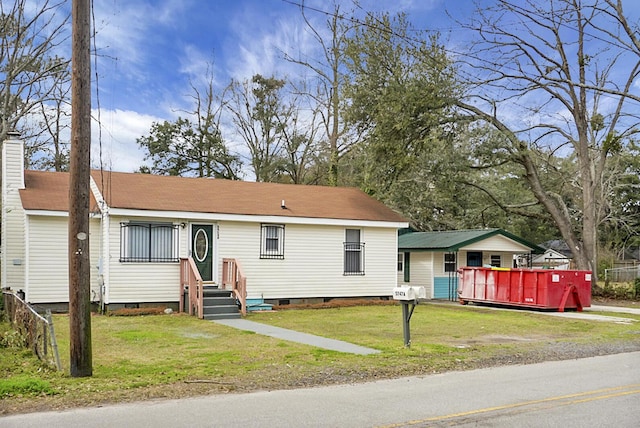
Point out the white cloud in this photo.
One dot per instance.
(260, 48)
(120, 129)
(126, 33)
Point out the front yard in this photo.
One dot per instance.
(141, 357)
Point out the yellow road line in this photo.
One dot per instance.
(590, 396)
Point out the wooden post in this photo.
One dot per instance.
(79, 176)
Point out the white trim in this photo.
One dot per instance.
(46, 213)
(206, 243)
(97, 194)
(480, 246)
(105, 226)
(213, 217)
(25, 262)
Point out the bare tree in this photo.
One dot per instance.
(192, 146)
(260, 113)
(329, 76)
(554, 77)
(29, 38)
(47, 141)
(301, 151)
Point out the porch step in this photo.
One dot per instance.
(260, 307)
(227, 316)
(219, 304)
(255, 305)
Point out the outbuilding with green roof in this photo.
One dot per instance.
(431, 259)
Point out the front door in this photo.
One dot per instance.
(202, 249)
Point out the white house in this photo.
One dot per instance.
(294, 242)
(432, 259)
(551, 259)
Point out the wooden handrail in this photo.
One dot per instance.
(190, 277)
(233, 276)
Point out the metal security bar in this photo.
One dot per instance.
(272, 241)
(149, 242)
(353, 258)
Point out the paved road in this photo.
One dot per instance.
(599, 392)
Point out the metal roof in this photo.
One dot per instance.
(454, 240)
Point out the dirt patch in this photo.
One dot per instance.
(604, 301)
(494, 339)
(191, 335)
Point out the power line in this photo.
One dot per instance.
(517, 9)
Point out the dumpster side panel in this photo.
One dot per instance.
(536, 288)
(503, 289)
(529, 289)
(516, 281)
(557, 290)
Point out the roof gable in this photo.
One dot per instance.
(558, 245)
(49, 191)
(454, 240)
(550, 254)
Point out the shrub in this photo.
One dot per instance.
(12, 339)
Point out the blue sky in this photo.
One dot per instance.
(149, 51)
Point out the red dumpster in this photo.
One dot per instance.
(534, 288)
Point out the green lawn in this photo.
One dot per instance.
(177, 355)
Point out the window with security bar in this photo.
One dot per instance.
(272, 241)
(450, 262)
(353, 253)
(149, 242)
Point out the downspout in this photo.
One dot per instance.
(103, 255)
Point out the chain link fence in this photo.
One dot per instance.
(33, 330)
(623, 274)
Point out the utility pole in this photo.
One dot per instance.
(79, 176)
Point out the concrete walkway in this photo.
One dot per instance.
(617, 309)
(607, 313)
(295, 336)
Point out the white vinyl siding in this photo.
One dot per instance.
(496, 244)
(314, 262)
(421, 274)
(505, 257)
(47, 263)
(13, 217)
(133, 282)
